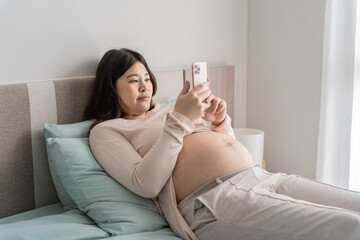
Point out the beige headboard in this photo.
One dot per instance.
(25, 180)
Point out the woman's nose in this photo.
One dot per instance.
(142, 87)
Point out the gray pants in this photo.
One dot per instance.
(255, 204)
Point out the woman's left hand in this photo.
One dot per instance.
(216, 113)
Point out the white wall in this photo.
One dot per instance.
(280, 57)
(284, 80)
(43, 39)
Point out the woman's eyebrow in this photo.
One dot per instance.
(136, 75)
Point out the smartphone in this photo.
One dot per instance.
(199, 73)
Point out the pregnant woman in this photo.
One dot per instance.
(185, 157)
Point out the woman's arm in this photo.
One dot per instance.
(145, 175)
(216, 114)
(224, 127)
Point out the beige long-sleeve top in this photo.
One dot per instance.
(141, 154)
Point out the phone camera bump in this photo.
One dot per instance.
(197, 69)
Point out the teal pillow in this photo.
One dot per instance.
(114, 208)
(74, 130)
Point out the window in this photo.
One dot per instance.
(354, 176)
(354, 181)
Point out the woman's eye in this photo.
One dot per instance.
(132, 81)
(148, 79)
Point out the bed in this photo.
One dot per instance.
(50, 185)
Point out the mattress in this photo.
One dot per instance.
(53, 222)
(52, 209)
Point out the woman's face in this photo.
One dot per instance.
(135, 89)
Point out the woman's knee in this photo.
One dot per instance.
(355, 227)
(348, 225)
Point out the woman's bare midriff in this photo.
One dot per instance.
(205, 156)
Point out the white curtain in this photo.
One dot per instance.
(355, 126)
(334, 146)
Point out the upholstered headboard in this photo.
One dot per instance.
(25, 180)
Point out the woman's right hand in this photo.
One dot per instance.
(190, 104)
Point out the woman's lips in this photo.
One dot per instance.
(144, 98)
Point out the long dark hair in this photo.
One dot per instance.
(104, 102)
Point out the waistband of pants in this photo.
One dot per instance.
(210, 185)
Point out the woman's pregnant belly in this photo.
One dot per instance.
(205, 156)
